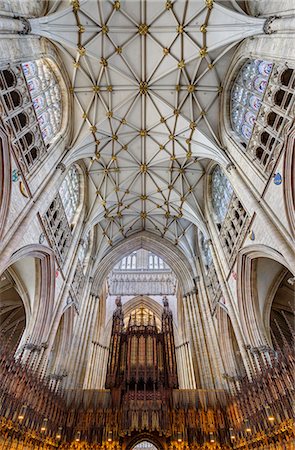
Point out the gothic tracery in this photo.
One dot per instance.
(146, 225)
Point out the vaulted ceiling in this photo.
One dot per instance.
(146, 78)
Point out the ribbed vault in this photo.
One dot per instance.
(146, 79)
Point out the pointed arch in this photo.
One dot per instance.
(42, 311)
(134, 440)
(175, 259)
(252, 315)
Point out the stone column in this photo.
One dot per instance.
(180, 365)
(96, 364)
(193, 340)
(190, 370)
(209, 327)
(231, 310)
(198, 336)
(210, 377)
(82, 338)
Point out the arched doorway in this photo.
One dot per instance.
(145, 441)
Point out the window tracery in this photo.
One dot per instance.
(222, 192)
(129, 262)
(46, 97)
(211, 278)
(84, 248)
(30, 99)
(70, 192)
(262, 105)
(230, 215)
(206, 252)
(156, 263)
(58, 229)
(246, 96)
(59, 216)
(78, 283)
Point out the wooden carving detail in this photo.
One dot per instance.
(142, 361)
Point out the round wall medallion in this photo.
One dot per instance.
(277, 179)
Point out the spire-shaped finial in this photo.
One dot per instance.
(165, 302)
(118, 301)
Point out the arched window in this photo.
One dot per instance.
(156, 263)
(30, 101)
(58, 229)
(230, 215)
(261, 106)
(70, 192)
(123, 263)
(84, 248)
(128, 262)
(46, 97)
(133, 261)
(151, 261)
(206, 252)
(246, 96)
(222, 192)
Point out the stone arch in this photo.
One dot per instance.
(253, 314)
(130, 443)
(146, 301)
(42, 310)
(175, 259)
(5, 177)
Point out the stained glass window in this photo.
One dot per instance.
(222, 192)
(145, 445)
(70, 192)
(84, 247)
(46, 97)
(246, 96)
(206, 252)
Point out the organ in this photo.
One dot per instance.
(142, 361)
